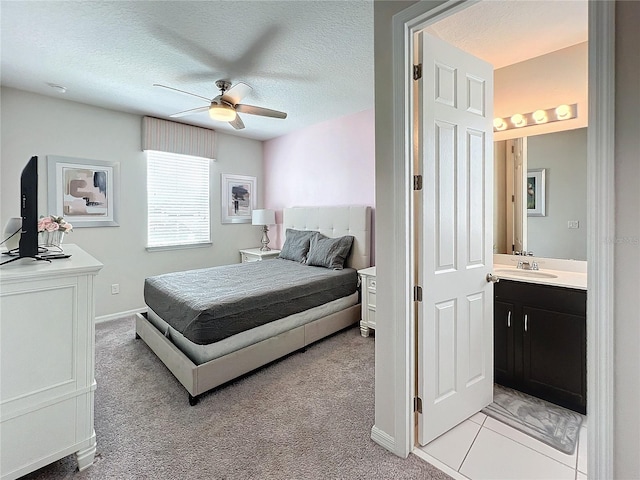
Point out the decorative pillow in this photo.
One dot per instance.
(329, 252)
(296, 245)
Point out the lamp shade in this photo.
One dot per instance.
(263, 217)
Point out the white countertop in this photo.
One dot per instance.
(555, 272)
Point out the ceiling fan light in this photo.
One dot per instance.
(222, 112)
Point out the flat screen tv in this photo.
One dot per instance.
(28, 246)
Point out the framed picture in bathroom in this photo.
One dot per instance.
(536, 193)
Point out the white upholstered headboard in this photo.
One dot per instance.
(336, 222)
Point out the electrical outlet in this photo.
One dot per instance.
(115, 289)
(573, 224)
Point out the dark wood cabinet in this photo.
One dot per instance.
(540, 341)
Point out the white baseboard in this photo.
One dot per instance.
(383, 439)
(116, 316)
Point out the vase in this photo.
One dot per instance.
(52, 239)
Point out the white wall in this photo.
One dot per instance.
(388, 241)
(627, 244)
(564, 156)
(543, 82)
(38, 125)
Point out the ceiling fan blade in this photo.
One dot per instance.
(265, 112)
(181, 91)
(236, 93)
(189, 112)
(237, 123)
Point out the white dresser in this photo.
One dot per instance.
(368, 289)
(257, 255)
(47, 340)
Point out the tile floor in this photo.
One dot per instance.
(484, 448)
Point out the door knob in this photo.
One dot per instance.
(492, 278)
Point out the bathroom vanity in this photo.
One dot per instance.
(540, 334)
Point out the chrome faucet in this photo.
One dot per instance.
(525, 265)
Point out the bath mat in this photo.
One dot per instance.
(544, 421)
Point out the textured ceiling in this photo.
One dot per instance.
(312, 59)
(508, 32)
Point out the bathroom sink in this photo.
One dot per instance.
(524, 273)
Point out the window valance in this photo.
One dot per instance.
(165, 136)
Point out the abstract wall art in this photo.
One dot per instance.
(83, 191)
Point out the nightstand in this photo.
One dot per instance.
(257, 255)
(368, 288)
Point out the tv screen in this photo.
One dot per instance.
(28, 246)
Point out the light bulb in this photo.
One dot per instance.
(540, 116)
(563, 112)
(499, 124)
(518, 120)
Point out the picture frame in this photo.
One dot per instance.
(85, 192)
(536, 192)
(239, 197)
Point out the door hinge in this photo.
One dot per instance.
(417, 71)
(417, 182)
(513, 149)
(417, 293)
(513, 198)
(417, 404)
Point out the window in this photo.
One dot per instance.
(178, 210)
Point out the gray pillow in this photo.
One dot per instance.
(296, 245)
(329, 252)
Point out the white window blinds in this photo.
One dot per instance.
(178, 207)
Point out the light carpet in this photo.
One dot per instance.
(308, 416)
(554, 425)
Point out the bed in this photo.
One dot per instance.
(251, 331)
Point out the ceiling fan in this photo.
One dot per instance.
(225, 107)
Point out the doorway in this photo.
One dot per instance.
(600, 207)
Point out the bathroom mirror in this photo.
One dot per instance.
(562, 231)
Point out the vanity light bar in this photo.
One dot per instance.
(519, 120)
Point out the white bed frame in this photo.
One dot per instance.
(197, 379)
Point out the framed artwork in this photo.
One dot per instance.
(239, 197)
(536, 203)
(85, 192)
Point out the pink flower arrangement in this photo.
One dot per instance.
(53, 223)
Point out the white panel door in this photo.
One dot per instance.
(455, 241)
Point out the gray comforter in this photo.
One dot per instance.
(211, 304)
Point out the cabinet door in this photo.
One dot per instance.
(554, 347)
(503, 328)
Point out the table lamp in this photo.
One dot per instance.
(264, 217)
